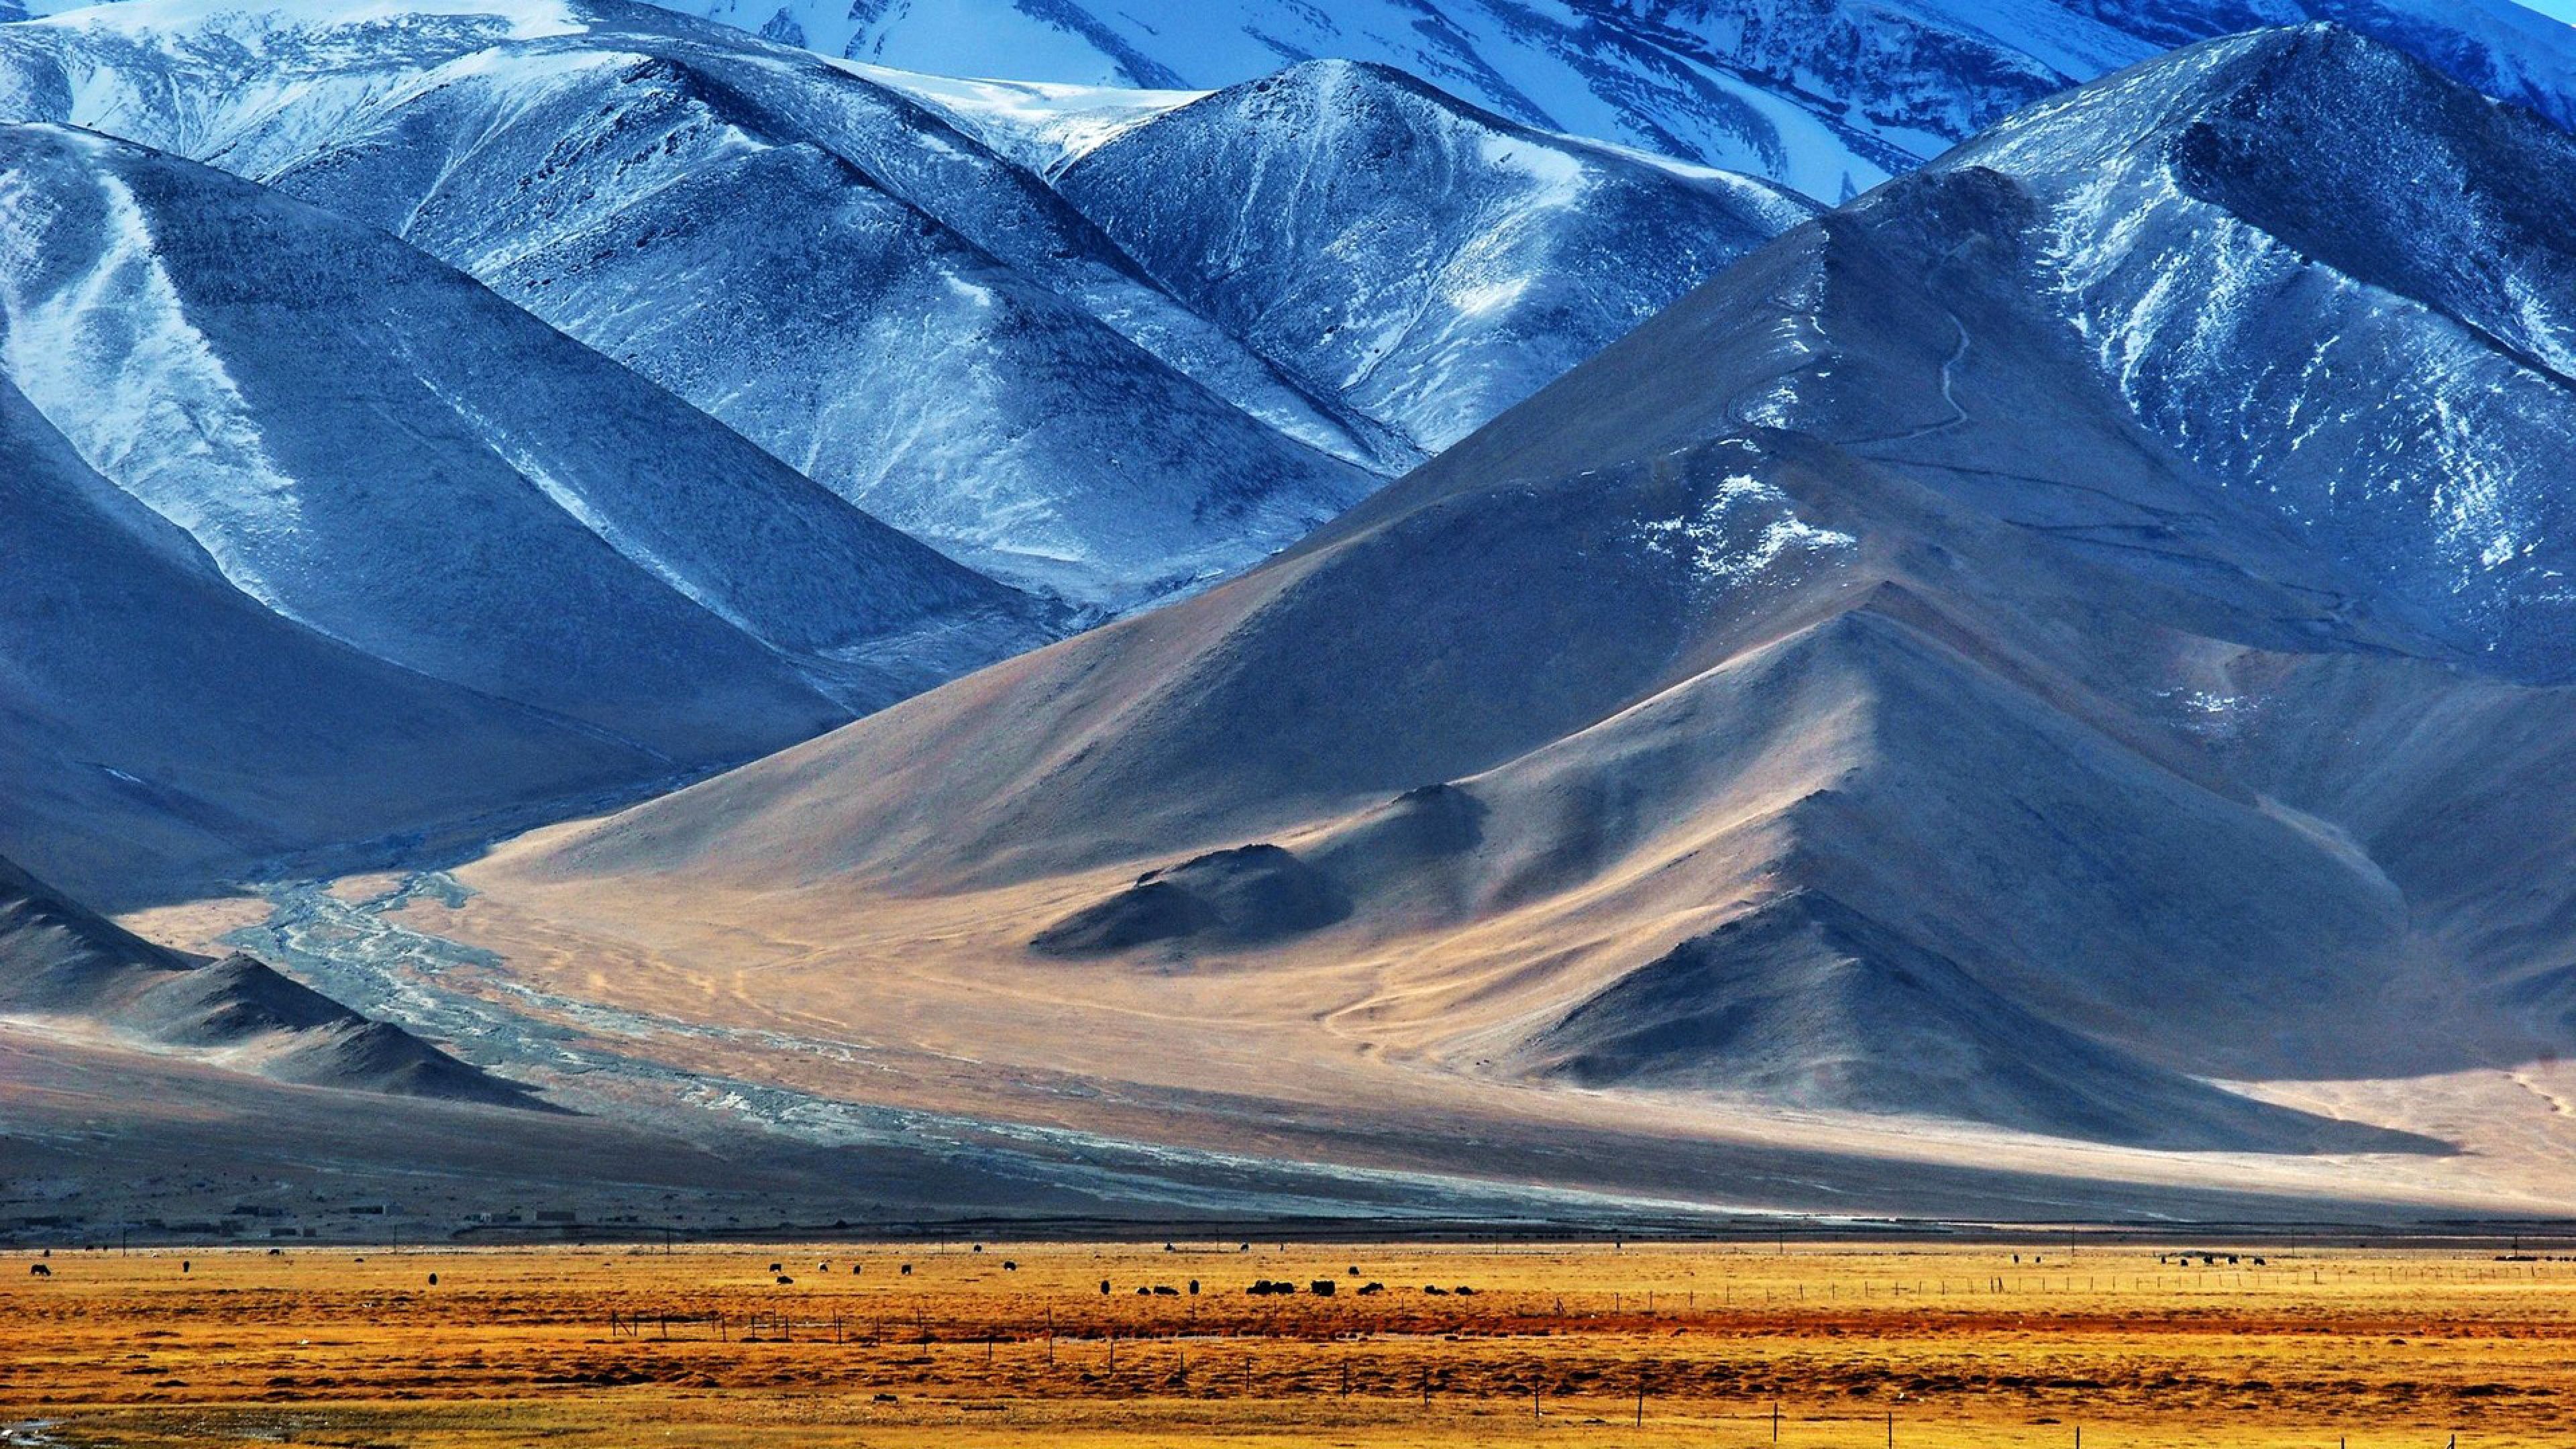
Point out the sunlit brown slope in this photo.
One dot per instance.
(1862, 688)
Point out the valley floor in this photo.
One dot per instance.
(916, 1033)
(1956, 1346)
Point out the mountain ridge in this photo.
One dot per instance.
(251, 396)
(1862, 576)
(966, 361)
(1831, 99)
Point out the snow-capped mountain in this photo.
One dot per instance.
(1427, 264)
(1827, 96)
(873, 277)
(379, 468)
(2347, 294)
(2083, 620)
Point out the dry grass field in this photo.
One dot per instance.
(1950, 1347)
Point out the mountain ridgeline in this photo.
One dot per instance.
(2078, 623)
(616, 500)
(1830, 97)
(847, 268)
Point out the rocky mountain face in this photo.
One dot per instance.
(1427, 264)
(858, 272)
(1827, 96)
(2078, 623)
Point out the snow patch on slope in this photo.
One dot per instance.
(1745, 530)
(110, 354)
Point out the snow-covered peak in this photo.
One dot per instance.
(1376, 236)
(253, 24)
(1829, 96)
(967, 356)
(2339, 283)
(1040, 125)
(2338, 147)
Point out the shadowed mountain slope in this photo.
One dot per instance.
(1916, 648)
(443, 560)
(163, 726)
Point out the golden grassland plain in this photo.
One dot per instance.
(1948, 1347)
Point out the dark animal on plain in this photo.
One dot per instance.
(185, 1265)
(277, 1252)
(1166, 1290)
(783, 1278)
(1194, 1287)
(777, 1267)
(1143, 1292)
(1104, 1287)
(854, 1270)
(1435, 1292)
(1466, 1291)
(433, 1280)
(1009, 1267)
(1355, 1270)
(2258, 1262)
(39, 1270)
(1322, 1287)
(1368, 1288)
(907, 1270)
